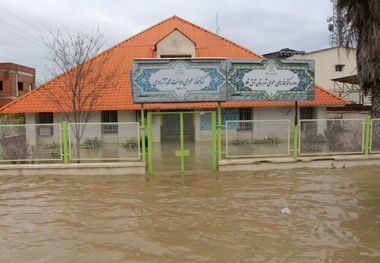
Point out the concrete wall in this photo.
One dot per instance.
(175, 44)
(325, 61)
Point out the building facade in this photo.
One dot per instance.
(171, 38)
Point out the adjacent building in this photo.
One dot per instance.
(15, 80)
(335, 70)
(283, 53)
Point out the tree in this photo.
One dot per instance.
(361, 29)
(82, 75)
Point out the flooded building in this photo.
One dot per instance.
(173, 38)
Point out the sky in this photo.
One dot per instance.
(262, 26)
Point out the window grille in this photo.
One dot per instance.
(245, 114)
(109, 116)
(45, 118)
(306, 113)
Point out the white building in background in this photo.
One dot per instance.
(335, 70)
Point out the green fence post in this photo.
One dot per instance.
(367, 134)
(142, 132)
(182, 142)
(149, 127)
(219, 132)
(2, 139)
(213, 143)
(295, 141)
(65, 142)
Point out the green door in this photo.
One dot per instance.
(179, 141)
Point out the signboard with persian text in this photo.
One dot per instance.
(209, 79)
(179, 80)
(271, 80)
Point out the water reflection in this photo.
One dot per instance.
(217, 217)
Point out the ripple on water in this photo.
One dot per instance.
(224, 217)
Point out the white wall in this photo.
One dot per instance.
(177, 44)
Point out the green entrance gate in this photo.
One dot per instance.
(179, 141)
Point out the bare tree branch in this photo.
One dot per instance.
(82, 79)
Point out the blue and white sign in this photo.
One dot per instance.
(179, 80)
(271, 80)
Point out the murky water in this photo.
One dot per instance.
(335, 217)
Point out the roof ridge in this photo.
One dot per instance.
(214, 34)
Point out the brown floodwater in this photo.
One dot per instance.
(205, 217)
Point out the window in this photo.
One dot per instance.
(45, 118)
(339, 67)
(306, 113)
(244, 115)
(1, 85)
(30, 87)
(109, 116)
(20, 86)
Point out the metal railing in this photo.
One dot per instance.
(257, 138)
(375, 136)
(241, 139)
(104, 141)
(30, 142)
(331, 136)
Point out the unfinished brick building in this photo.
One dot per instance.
(15, 80)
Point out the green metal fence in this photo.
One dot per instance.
(104, 141)
(30, 142)
(331, 136)
(257, 138)
(375, 136)
(187, 140)
(183, 140)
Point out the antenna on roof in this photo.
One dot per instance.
(217, 24)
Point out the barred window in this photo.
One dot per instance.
(109, 116)
(45, 118)
(245, 114)
(306, 113)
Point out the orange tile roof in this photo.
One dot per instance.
(142, 45)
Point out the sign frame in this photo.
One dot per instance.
(271, 74)
(209, 72)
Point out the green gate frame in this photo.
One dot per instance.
(182, 152)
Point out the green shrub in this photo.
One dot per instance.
(131, 144)
(53, 145)
(92, 143)
(270, 140)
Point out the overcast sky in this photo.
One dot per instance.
(260, 25)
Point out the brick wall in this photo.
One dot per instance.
(10, 75)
